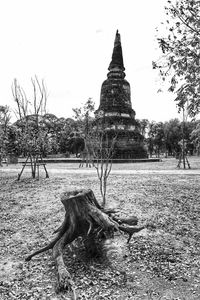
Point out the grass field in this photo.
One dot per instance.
(159, 264)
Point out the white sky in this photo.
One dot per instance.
(69, 44)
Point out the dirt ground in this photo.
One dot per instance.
(159, 264)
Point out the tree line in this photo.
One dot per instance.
(166, 137)
(65, 135)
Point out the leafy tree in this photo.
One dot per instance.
(56, 132)
(76, 144)
(155, 140)
(181, 60)
(159, 138)
(195, 136)
(173, 134)
(168, 137)
(84, 119)
(83, 116)
(143, 125)
(4, 130)
(48, 126)
(64, 129)
(13, 145)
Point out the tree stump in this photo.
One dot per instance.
(84, 217)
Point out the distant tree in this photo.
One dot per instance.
(173, 134)
(189, 127)
(13, 145)
(155, 140)
(76, 144)
(56, 132)
(83, 116)
(167, 137)
(195, 137)
(84, 119)
(65, 127)
(143, 126)
(181, 59)
(4, 130)
(48, 126)
(159, 138)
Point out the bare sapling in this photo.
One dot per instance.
(102, 148)
(30, 114)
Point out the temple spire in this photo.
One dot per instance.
(117, 56)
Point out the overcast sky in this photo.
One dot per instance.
(69, 44)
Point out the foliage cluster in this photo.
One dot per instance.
(180, 61)
(166, 137)
(4, 128)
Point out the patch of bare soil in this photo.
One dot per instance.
(159, 264)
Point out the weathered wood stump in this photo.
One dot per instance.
(85, 218)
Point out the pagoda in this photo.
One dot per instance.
(115, 111)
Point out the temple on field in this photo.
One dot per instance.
(115, 111)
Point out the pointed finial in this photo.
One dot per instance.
(117, 57)
(117, 38)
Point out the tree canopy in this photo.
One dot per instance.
(4, 127)
(180, 45)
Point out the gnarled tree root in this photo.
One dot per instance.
(65, 281)
(84, 217)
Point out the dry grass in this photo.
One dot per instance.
(160, 264)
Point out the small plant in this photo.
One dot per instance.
(102, 148)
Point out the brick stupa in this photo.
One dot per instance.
(115, 111)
